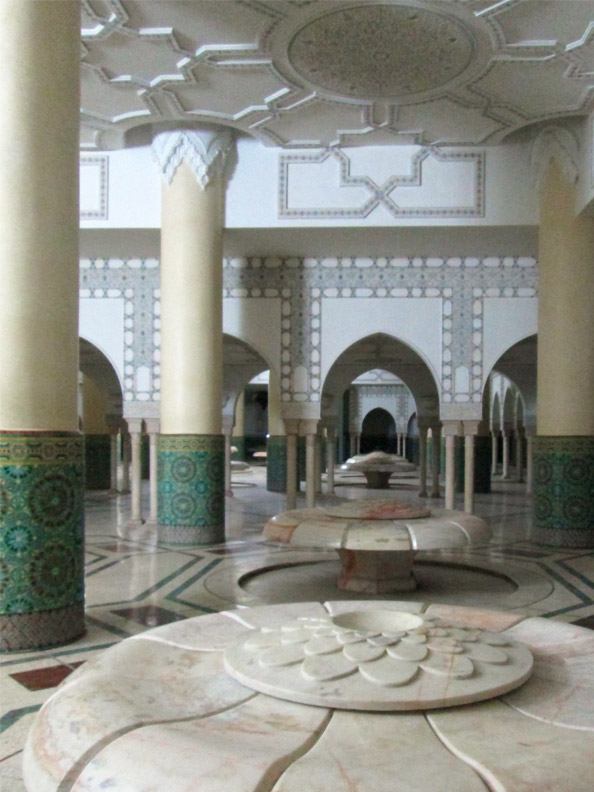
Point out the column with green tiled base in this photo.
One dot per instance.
(563, 490)
(191, 473)
(563, 456)
(276, 463)
(42, 540)
(41, 450)
(191, 446)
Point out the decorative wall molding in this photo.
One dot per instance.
(380, 194)
(206, 152)
(94, 186)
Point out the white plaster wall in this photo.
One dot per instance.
(506, 320)
(415, 321)
(101, 321)
(133, 191)
(257, 321)
(372, 401)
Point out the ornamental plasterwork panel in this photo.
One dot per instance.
(406, 188)
(94, 170)
(138, 282)
(316, 74)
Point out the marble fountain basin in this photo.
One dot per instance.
(377, 540)
(168, 710)
(377, 467)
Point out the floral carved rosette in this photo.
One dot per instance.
(378, 660)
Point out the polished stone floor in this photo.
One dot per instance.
(135, 582)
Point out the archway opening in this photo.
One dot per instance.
(378, 432)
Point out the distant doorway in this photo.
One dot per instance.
(378, 432)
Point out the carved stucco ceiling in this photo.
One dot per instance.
(329, 72)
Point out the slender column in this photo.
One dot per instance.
(353, 448)
(309, 429)
(435, 459)
(519, 455)
(113, 424)
(191, 445)
(126, 451)
(152, 428)
(451, 430)
(318, 463)
(227, 432)
(470, 430)
(135, 428)
(358, 443)
(422, 461)
(330, 456)
(494, 451)
(564, 447)
(505, 443)
(239, 426)
(529, 464)
(276, 442)
(291, 429)
(42, 594)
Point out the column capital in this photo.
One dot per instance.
(308, 426)
(451, 428)
(207, 152)
(291, 426)
(134, 425)
(470, 427)
(152, 425)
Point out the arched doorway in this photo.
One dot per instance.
(378, 432)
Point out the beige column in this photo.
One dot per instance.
(238, 434)
(126, 451)
(519, 455)
(291, 429)
(318, 462)
(451, 430)
(135, 429)
(113, 424)
(309, 429)
(435, 459)
(330, 456)
(494, 451)
(422, 461)
(152, 428)
(470, 429)
(505, 445)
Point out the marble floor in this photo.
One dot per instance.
(135, 582)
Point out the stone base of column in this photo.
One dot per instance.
(191, 488)
(42, 543)
(276, 463)
(97, 461)
(563, 504)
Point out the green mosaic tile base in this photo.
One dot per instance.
(97, 461)
(276, 463)
(563, 495)
(191, 488)
(42, 528)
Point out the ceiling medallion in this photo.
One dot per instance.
(381, 51)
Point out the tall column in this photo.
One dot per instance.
(318, 462)
(41, 449)
(113, 424)
(422, 461)
(276, 442)
(135, 429)
(451, 430)
(358, 443)
(564, 446)
(126, 452)
(435, 459)
(291, 429)
(309, 428)
(330, 456)
(494, 451)
(239, 426)
(529, 463)
(228, 432)
(152, 428)
(470, 429)
(191, 444)
(505, 444)
(519, 455)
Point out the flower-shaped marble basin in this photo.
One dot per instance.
(377, 467)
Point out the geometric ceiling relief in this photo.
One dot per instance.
(332, 184)
(299, 73)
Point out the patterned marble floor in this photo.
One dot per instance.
(134, 582)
